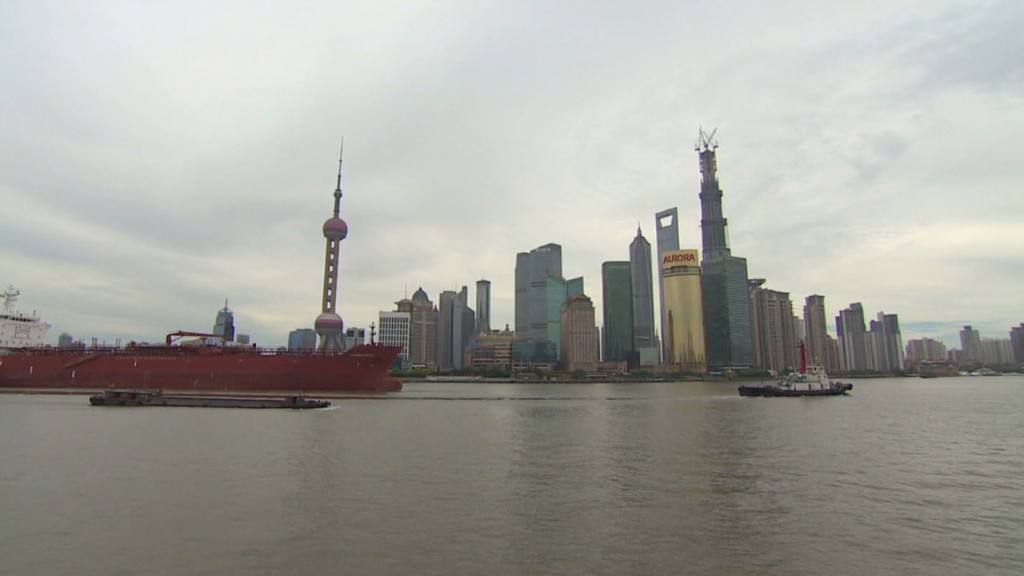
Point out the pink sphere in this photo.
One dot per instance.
(335, 229)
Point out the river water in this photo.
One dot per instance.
(904, 476)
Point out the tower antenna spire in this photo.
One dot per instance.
(337, 190)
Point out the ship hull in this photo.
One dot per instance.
(361, 369)
(838, 389)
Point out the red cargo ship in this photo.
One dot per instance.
(24, 363)
(363, 368)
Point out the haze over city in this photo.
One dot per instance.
(157, 160)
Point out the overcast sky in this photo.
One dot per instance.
(157, 158)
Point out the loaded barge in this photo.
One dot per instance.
(158, 398)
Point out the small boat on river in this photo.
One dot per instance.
(809, 381)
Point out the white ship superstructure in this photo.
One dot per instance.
(19, 330)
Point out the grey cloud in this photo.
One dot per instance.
(976, 46)
(206, 142)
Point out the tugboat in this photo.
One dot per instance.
(810, 381)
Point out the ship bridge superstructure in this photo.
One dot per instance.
(18, 330)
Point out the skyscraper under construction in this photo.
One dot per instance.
(727, 321)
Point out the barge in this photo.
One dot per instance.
(158, 398)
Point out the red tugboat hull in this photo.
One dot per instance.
(360, 369)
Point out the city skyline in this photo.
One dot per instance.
(867, 156)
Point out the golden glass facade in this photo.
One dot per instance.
(684, 311)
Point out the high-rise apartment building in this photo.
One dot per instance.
(559, 291)
(540, 292)
(798, 330)
(885, 344)
(483, 306)
(853, 354)
(996, 352)
(579, 334)
(302, 340)
(730, 341)
(393, 329)
(224, 326)
(456, 322)
(533, 269)
(617, 301)
(65, 340)
(645, 342)
(820, 348)
(423, 331)
(683, 330)
(921, 349)
(775, 334)
(1017, 343)
(970, 344)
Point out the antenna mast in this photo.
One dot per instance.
(337, 190)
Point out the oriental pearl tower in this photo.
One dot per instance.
(329, 325)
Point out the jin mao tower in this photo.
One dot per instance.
(645, 343)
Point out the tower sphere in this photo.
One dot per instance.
(329, 325)
(335, 229)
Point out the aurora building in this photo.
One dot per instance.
(727, 321)
(683, 330)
